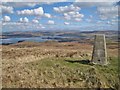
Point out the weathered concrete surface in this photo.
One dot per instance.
(99, 50)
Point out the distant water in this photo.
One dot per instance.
(15, 40)
(34, 39)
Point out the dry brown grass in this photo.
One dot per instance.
(30, 64)
(43, 50)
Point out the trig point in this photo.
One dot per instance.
(99, 55)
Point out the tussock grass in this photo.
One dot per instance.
(56, 65)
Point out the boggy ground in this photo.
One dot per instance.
(56, 64)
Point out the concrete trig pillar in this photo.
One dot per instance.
(99, 55)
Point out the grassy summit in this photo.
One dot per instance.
(57, 64)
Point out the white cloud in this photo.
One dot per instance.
(108, 22)
(64, 9)
(96, 1)
(21, 19)
(66, 23)
(105, 10)
(73, 15)
(7, 9)
(35, 21)
(32, 4)
(24, 20)
(43, 27)
(18, 26)
(7, 0)
(49, 1)
(108, 12)
(6, 18)
(78, 19)
(78, 15)
(47, 15)
(115, 20)
(51, 22)
(69, 12)
(37, 11)
(67, 17)
(21, 4)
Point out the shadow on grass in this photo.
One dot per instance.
(87, 62)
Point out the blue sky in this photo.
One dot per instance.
(80, 16)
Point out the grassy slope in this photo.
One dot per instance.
(60, 73)
(58, 68)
